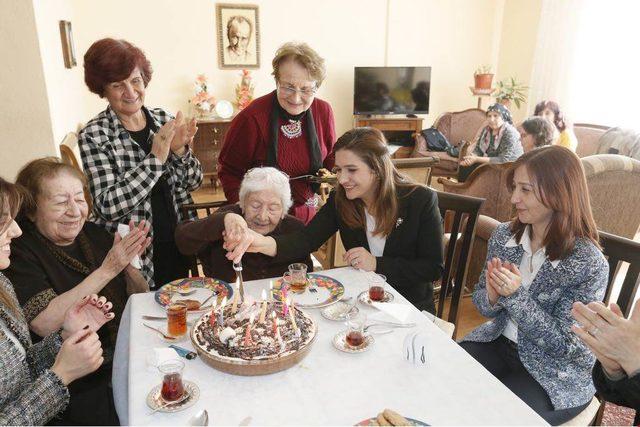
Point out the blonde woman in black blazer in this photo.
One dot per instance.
(387, 224)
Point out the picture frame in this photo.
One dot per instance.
(68, 50)
(238, 36)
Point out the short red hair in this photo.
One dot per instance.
(109, 60)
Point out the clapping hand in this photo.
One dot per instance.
(92, 311)
(503, 279)
(183, 137)
(613, 339)
(126, 248)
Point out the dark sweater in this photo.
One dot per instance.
(204, 238)
(412, 257)
(624, 392)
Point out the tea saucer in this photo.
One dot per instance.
(338, 311)
(340, 342)
(364, 298)
(155, 400)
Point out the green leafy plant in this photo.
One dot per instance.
(483, 69)
(510, 89)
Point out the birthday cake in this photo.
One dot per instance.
(253, 339)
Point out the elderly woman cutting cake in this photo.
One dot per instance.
(265, 198)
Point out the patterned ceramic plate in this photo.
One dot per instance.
(364, 298)
(155, 400)
(340, 342)
(322, 291)
(373, 422)
(202, 285)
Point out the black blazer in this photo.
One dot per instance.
(412, 257)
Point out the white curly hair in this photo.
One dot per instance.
(266, 178)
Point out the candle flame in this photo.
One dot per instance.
(224, 302)
(252, 318)
(264, 294)
(273, 314)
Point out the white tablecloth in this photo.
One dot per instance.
(328, 387)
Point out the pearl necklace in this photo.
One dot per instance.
(293, 129)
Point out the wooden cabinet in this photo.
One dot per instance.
(404, 127)
(207, 144)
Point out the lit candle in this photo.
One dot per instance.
(270, 290)
(274, 327)
(221, 312)
(292, 315)
(263, 310)
(283, 298)
(236, 298)
(247, 332)
(212, 318)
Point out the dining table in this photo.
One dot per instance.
(328, 386)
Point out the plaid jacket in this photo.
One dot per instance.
(30, 394)
(121, 175)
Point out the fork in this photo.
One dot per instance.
(390, 325)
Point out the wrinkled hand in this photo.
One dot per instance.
(613, 339)
(79, 355)
(237, 236)
(360, 258)
(492, 286)
(162, 141)
(185, 130)
(92, 311)
(468, 160)
(125, 249)
(506, 278)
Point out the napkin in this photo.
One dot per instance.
(123, 230)
(391, 312)
(159, 356)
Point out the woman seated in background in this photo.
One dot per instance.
(616, 343)
(550, 110)
(138, 159)
(60, 258)
(34, 377)
(538, 265)
(498, 142)
(265, 199)
(289, 129)
(387, 223)
(536, 132)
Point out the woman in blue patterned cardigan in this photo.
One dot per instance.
(538, 265)
(34, 378)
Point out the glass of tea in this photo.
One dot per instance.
(177, 319)
(355, 329)
(376, 287)
(296, 277)
(172, 386)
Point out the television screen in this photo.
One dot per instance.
(391, 90)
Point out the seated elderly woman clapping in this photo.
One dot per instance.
(60, 258)
(264, 200)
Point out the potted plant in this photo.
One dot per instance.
(483, 77)
(511, 90)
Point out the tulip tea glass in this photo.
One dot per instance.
(296, 277)
(177, 319)
(172, 386)
(376, 287)
(355, 329)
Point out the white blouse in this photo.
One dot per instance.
(376, 243)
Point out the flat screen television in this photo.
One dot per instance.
(391, 90)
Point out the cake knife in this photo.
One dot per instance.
(238, 268)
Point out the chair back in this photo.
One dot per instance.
(460, 125)
(202, 210)
(69, 151)
(418, 168)
(489, 182)
(465, 211)
(619, 250)
(588, 137)
(615, 208)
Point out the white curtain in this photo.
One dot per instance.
(587, 59)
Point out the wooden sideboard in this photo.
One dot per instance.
(207, 144)
(393, 124)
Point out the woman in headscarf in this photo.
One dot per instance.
(498, 142)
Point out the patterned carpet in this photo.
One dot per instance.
(615, 415)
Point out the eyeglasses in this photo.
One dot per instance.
(288, 90)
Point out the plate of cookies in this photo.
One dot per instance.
(389, 417)
(193, 292)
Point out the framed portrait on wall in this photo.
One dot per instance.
(238, 35)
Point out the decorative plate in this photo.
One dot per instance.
(155, 400)
(373, 422)
(203, 286)
(340, 342)
(224, 109)
(364, 298)
(338, 311)
(326, 291)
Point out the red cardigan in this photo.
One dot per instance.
(248, 138)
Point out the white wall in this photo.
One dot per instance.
(25, 123)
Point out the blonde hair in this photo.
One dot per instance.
(303, 55)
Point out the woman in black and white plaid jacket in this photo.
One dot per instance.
(34, 378)
(138, 160)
